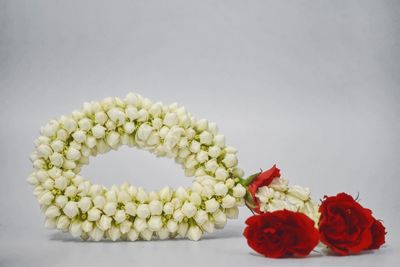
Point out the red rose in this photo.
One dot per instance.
(378, 232)
(281, 233)
(344, 225)
(261, 179)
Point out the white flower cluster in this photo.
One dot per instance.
(279, 195)
(72, 203)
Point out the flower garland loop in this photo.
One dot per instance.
(72, 203)
(286, 222)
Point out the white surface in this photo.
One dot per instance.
(310, 85)
(225, 248)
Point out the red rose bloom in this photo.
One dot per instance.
(378, 232)
(344, 225)
(262, 179)
(281, 233)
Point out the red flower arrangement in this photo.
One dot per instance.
(344, 226)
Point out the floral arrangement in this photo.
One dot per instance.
(287, 222)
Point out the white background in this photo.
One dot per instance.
(310, 85)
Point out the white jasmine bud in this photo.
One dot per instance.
(143, 132)
(32, 180)
(133, 235)
(146, 234)
(211, 205)
(206, 138)
(166, 194)
(96, 234)
(87, 226)
(228, 201)
(133, 99)
(277, 204)
(130, 208)
(100, 117)
(172, 226)
(48, 184)
(302, 193)
(143, 211)
(211, 165)
(220, 189)
(181, 193)
(194, 147)
(46, 198)
(105, 222)
(182, 229)
(70, 191)
(129, 127)
(201, 217)
(195, 198)
(170, 119)
(141, 195)
(202, 125)
(119, 216)
(54, 172)
(155, 223)
(155, 207)
(168, 208)
(79, 136)
(52, 212)
(230, 160)
(194, 233)
(188, 209)
(190, 162)
(219, 217)
(98, 131)
(75, 229)
(73, 154)
(140, 224)
(125, 227)
(94, 214)
(99, 201)
(113, 139)
(294, 202)
(232, 213)
(110, 208)
(178, 215)
(71, 209)
(202, 156)
(44, 150)
(208, 226)
(114, 233)
(111, 196)
(221, 173)
(56, 159)
(116, 115)
(85, 204)
(70, 125)
(163, 233)
(61, 201)
(63, 222)
(219, 140)
(132, 113)
(239, 190)
(85, 124)
(230, 183)
(214, 151)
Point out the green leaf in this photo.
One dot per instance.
(249, 179)
(249, 200)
